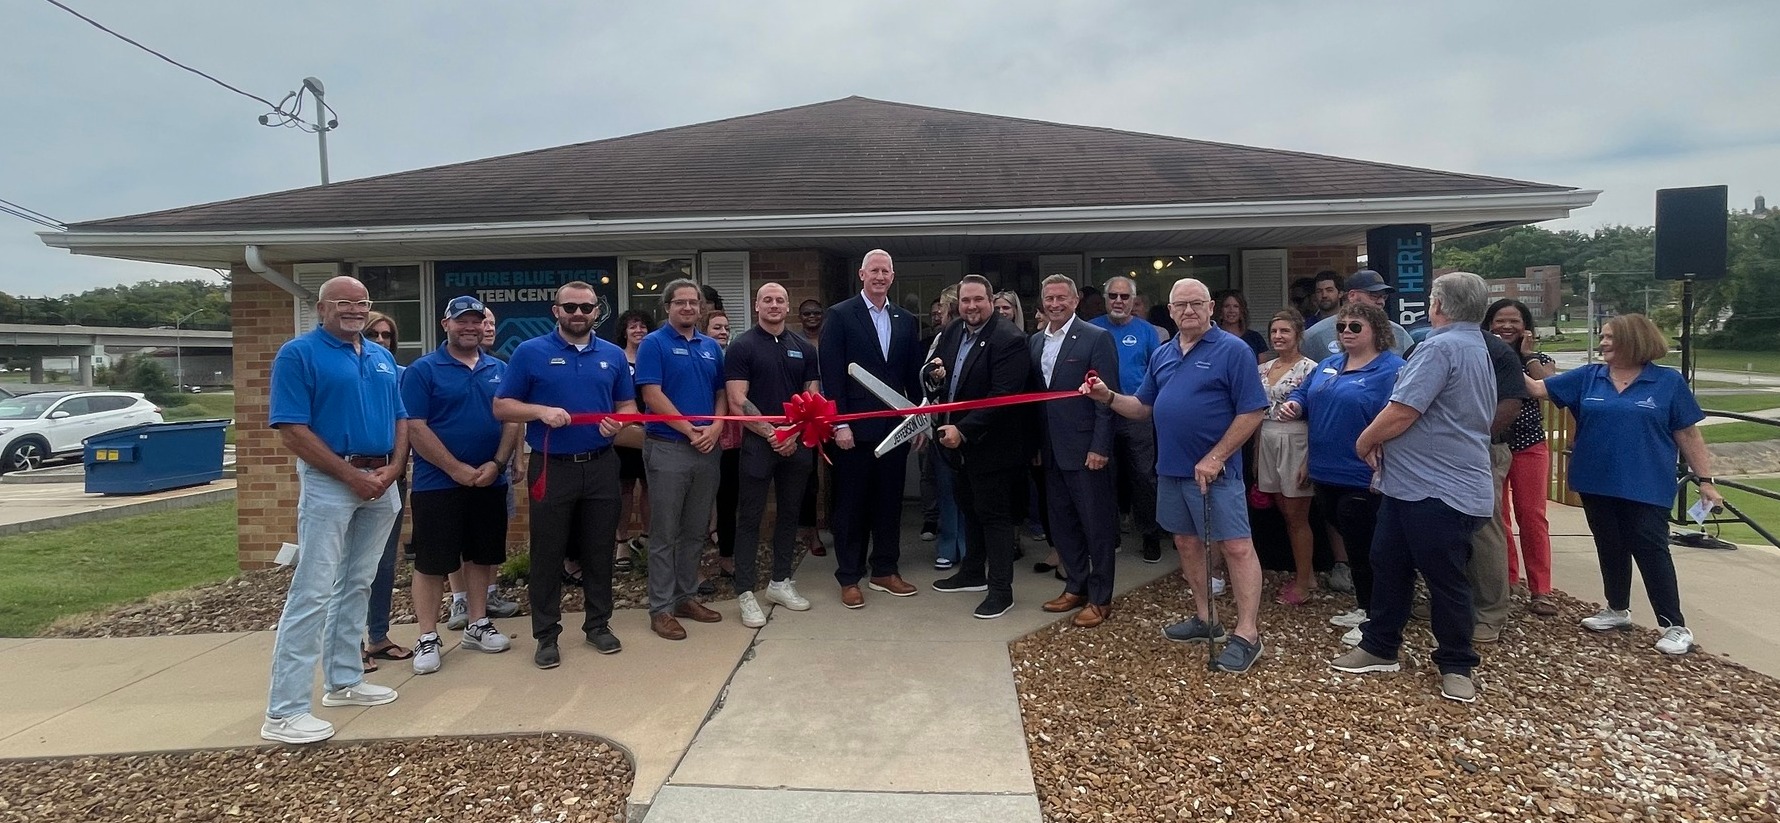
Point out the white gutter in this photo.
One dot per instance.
(258, 266)
(1518, 206)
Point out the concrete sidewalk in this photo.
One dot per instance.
(905, 709)
(37, 507)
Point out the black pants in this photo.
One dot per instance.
(1134, 456)
(1354, 511)
(1627, 530)
(1086, 538)
(806, 516)
(576, 519)
(726, 502)
(867, 510)
(759, 465)
(1433, 538)
(986, 499)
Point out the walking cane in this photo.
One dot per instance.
(1211, 600)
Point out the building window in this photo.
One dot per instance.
(396, 292)
(644, 277)
(1155, 274)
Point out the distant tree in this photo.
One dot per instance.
(141, 374)
(137, 305)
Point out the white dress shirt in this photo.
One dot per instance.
(1047, 358)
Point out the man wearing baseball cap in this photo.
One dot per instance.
(460, 490)
(1364, 285)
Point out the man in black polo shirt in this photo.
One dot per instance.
(762, 369)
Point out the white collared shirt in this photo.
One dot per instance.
(1047, 358)
(880, 320)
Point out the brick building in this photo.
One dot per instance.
(1541, 289)
(794, 196)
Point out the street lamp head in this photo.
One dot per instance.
(314, 86)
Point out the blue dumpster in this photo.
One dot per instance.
(155, 457)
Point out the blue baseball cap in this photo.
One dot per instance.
(1367, 280)
(460, 305)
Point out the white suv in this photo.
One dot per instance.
(36, 427)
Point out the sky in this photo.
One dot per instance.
(1625, 96)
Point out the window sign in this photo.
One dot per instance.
(521, 292)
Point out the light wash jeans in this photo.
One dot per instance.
(340, 540)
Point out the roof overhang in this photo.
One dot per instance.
(1201, 225)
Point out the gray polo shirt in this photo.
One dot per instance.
(1445, 453)
(1319, 340)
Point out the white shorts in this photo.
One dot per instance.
(1280, 454)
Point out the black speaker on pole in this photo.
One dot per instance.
(1692, 233)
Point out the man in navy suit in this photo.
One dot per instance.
(869, 330)
(984, 356)
(1077, 439)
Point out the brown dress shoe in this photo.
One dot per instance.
(667, 627)
(694, 610)
(1091, 615)
(892, 584)
(1064, 602)
(852, 598)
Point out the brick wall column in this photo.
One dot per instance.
(1306, 261)
(265, 474)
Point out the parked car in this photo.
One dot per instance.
(36, 427)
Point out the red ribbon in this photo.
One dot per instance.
(808, 416)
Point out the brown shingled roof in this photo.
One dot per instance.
(849, 155)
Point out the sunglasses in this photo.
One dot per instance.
(581, 308)
(812, 313)
(1117, 296)
(380, 335)
(1354, 327)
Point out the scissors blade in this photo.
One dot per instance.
(879, 389)
(910, 428)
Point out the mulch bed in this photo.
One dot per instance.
(1124, 725)
(552, 777)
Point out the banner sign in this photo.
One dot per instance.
(520, 292)
(1404, 255)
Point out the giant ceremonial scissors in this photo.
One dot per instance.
(911, 427)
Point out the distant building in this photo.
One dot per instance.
(1541, 289)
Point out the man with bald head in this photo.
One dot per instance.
(870, 330)
(1205, 395)
(336, 406)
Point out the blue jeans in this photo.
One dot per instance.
(951, 526)
(340, 540)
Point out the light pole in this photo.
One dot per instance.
(322, 123)
(179, 351)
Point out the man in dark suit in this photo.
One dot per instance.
(983, 356)
(1077, 439)
(869, 330)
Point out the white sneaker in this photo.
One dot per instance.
(426, 653)
(1349, 619)
(752, 616)
(1353, 637)
(362, 694)
(1607, 620)
(1217, 587)
(460, 614)
(1341, 578)
(1675, 640)
(784, 593)
(482, 636)
(298, 728)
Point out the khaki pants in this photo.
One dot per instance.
(1488, 569)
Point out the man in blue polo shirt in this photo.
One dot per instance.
(550, 378)
(680, 371)
(1205, 396)
(1134, 441)
(336, 407)
(459, 492)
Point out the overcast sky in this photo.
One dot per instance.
(1620, 95)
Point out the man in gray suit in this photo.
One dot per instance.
(1078, 437)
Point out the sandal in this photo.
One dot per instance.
(572, 580)
(391, 652)
(364, 658)
(1291, 595)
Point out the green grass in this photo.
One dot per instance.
(1755, 401)
(1739, 432)
(1757, 508)
(50, 574)
(202, 407)
(1760, 362)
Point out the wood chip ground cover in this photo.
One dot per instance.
(1124, 725)
(548, 777)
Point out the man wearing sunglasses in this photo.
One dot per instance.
(569, 371)
(337, 407)
(1134, 441)
(1365, 286)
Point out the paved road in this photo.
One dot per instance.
(1756, 381)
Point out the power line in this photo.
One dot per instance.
(41, 219)
(100, 26)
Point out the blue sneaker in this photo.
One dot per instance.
(1194, 630)
(1239, 655)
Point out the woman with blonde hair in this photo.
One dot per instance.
(1633, 418)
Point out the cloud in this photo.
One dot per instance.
(1624, 96)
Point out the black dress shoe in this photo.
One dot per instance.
(547, 657)
(604, 641)
(993, 606)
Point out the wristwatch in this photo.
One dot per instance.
(1698, 479)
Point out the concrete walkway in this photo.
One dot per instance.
(35, 507)
(905, 709)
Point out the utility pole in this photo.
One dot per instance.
(1591, 316)
(179, 350)
(322, 123)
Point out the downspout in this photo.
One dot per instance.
(258, 266)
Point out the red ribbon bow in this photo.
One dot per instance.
(809, 418)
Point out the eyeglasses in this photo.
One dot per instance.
(1113, 295)
(1194, 306)
(381, 335)
(343, 305)
(1353, 327)
(582, 308)
(681, 304)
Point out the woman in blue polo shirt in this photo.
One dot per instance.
(1632, 416)
(1340, 398)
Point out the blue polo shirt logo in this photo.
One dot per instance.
(1202, 364)
(558, 361)
(1647, 403)
(383, 367)
(706, 355)
(680, 351)
(605, 365)
(1128, 340)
